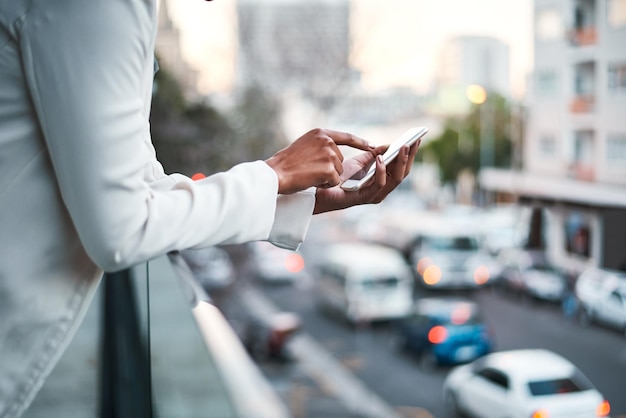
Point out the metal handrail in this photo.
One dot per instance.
(251, 394)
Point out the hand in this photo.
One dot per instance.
(384, 181)
(314, 159)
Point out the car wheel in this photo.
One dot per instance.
(452, 405)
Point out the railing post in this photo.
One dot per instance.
(126, 386)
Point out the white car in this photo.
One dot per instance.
(452, 258)
(529, 383)
(601, 296)
(272, 264)
(530, 272)
(212, 267)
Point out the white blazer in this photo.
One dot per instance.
(81, 190)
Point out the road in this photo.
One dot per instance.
(369, 351)
(396, 376)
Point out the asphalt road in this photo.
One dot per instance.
(369, 350)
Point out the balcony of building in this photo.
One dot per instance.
(583, 31)
(584, 97)
(580, 165)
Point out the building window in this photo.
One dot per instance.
(616, 148)
(577, 235)
(549, 25)
(617, 78)
(616, 13)
(546, 83)
(583, 147)
(547, 146)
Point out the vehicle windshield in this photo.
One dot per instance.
(461, 314)
(576, 383)
(451, 243)
(380, 283)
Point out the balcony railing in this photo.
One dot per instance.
(154, 345)
(586, 36)
(581, 171)
(582, 104)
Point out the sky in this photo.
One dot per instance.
(396, 42)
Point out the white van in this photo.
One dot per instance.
(364, 282)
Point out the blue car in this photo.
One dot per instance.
(445, 331)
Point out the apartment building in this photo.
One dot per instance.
(574, 153)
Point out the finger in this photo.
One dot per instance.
(412, 154)
(380, 177)
(397, 169)
(345, 138)
(334, 148)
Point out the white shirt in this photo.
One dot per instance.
(81, 190)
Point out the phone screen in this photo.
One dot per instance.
(409, 137)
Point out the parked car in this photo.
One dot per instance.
(529, 383)
(445, 331)
(529, 272)
(272, 264)
(364, 282)
(212, 267)
(601, 297)
(505, 227)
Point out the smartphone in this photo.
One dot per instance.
(408, 138)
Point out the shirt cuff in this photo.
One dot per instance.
(292, 219)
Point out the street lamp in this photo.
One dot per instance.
(478, 95)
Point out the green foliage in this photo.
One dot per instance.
(195, 137)
(256, 120)
(458, 147)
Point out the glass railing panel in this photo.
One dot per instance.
(185, 380)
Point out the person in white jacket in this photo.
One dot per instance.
(81, 190)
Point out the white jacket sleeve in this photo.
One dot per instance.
(89, 67)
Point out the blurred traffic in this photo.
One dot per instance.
(361, 286)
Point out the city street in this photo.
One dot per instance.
(369, 352)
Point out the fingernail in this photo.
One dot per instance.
(379, 158)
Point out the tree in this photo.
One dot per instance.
(459, 146)
(188, 138)
(195, 137)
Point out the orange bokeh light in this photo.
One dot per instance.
(476, 94)
(461, 315)
(432, 275)
(437, 334)
(481, 275)
(542, 413)
(423, 264)
(198, 176)
(294, 263)
(603, 409)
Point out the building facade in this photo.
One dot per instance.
(574, 154)
(479, 60)
(296, 45)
